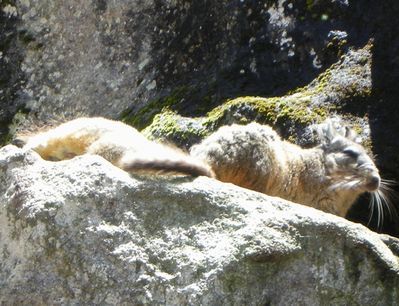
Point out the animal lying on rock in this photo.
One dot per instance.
(329, 177)
(119, 143)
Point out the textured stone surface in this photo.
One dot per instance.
(76, 56)
(83, 231)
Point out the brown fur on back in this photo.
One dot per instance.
(117, 142)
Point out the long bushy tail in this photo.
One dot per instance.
(184, 165)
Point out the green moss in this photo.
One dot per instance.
(242, 110)
(146, 115)
(316, 86)
(283, 111)
(168, 126)
(273, 111)
(290, 110)
(338, 93)
(16, 122)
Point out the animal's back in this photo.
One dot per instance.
(250, 156)
(117, 142)
(77, 137)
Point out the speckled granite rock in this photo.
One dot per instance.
(85, 232)
(104, 57)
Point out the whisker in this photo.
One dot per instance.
(339, 185)
(352, 184)
(380, 213)
(390, 195)
(363, 166)
(385, 200)
(371, 207)
(389, 182)
(348, 182)
(375, 204)
(381, 200)
(386, 188)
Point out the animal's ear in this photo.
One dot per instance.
(324, 133)
(351, 134)
(328, 131)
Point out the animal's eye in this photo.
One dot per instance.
(351, 153)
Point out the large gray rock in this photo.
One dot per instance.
(103, 57)
(66, 57)
(85, 232)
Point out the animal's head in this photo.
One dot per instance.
(347, 162)
(352, 169)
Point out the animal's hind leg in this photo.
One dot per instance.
(235, 154)
(109, 148)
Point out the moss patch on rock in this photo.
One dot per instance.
(179, 100)
(347, 82)
(170, 127)
(287, 113)
(294, 108)
(146, 115)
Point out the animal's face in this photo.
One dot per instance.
(350, 167)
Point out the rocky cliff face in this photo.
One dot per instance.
(83, 231)
(71, 57)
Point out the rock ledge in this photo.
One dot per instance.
(83, 231)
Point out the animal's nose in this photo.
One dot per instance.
(373, 183)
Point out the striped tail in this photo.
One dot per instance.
(186, 166)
